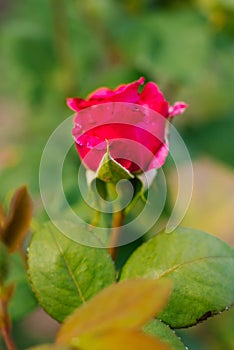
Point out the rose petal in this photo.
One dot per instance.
(160, 157)
(136, 134)
(123, 93)
(76, 104)
(152, 97)
(177, 108)
(125, 144)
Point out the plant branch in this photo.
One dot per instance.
(63, 46)
(5, 326)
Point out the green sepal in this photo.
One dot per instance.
(111, 171)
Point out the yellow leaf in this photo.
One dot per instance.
(17, 223)
(50, 347)
(128, 304)
(128, 339)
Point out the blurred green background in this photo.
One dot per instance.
(52, 49)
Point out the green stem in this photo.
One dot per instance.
(117, 222)
(118, 217)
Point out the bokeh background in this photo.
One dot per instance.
(52, 49)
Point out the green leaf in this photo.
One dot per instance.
(65, 274)
(17, 223)
(165, 333)
(128, 304)
(23, 300)
(126, 339)
(111, 171)
(201, 267)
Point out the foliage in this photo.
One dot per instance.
(50, 50)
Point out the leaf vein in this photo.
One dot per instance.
(175, 267)
(70, 272)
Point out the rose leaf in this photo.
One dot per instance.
(65, 274)
(201, 267)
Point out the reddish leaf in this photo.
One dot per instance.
(2, 219)
(4, 264)
(18, 221)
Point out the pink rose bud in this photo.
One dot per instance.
(134, 126)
